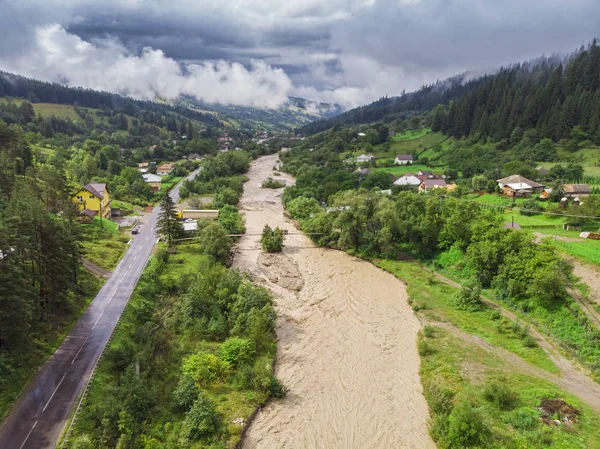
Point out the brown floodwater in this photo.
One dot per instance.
(346, 340)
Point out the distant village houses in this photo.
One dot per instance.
(404, 159)
(518, 186)
(153, 181)
(408, 180)
(430, 184)
(165, 169)
(143, 167)
(577, 190)
(365, 158)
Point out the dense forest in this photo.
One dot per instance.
(39, 91)
(557, 100)
(389, 109)
(549, 94)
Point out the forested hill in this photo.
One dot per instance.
(550, 98)
(294, 113)
(388, 109)
(39, 91)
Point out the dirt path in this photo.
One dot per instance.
(96, 270)
(346, 341)
(590, 275)
(571, 378)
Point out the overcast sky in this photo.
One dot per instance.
(258, 52)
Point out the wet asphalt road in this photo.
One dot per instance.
(43, 409)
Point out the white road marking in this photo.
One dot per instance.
(135, 258)
(27, 437)
(129, 266)
(147, 237)
(55, 390)
(86, 339)
(129, 241)
(112, 296)
(98, 319)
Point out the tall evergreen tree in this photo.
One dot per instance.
(170, 227)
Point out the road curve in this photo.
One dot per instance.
(37, 419)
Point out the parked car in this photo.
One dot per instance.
(135, 231)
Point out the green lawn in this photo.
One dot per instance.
(107, 225)
(399, 170)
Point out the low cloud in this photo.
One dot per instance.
(106, 64)
(348, 52)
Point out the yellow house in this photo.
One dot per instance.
(95, 198)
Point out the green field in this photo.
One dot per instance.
(410, 135)
(399, 170)
(57, 110)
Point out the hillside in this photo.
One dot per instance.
(555, 99)
(388, 109)
(296, 112)
(59, 100)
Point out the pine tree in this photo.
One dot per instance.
(170, 227)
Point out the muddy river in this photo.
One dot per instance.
(346, 341)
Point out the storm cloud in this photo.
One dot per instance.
(259, 52)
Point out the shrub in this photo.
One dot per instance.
(523, 418)
(231, 220)
(82, 442)
(500, 395)
(529, 342)
(272, 239)
(429, 331)
(204, 367)
(467, 427)
(424, 348)
(469, 297)
(440, 399)
(186, 393)
(271, 183)
(201, 421)
(225, 195)
(236, 351)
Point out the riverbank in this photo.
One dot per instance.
(347, 340)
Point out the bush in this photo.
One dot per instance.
(530, 207)
(236, 351)
(204, 367)
(215, 242)
(82, 442)
(271, 183)
(231, 220)
(272, 239)
(186, 393)
(440, 399)
(469, 297)
(429, 331)
(523, 418)
(424, 348)
(500, 395)
(467, 427)
(201, 421)
(225, 195)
